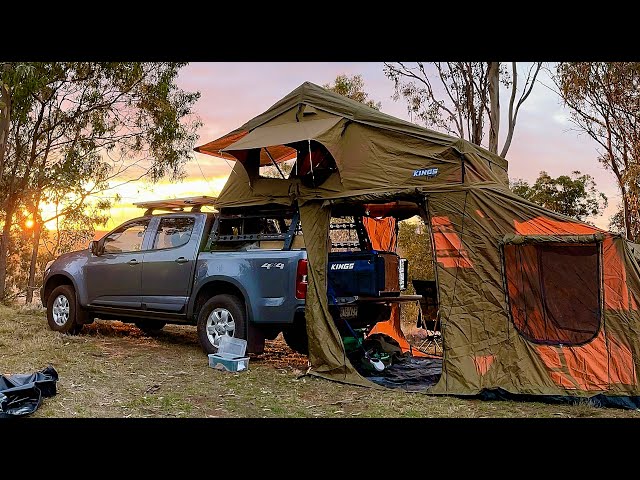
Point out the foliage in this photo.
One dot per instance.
(18, 259)
(414, 243)
(575, 195)
(617, 224)
(270, 171)
(73, 128)
(352, 87)
(72, 232)
(604, 101)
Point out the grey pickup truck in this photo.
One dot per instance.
(238, 273)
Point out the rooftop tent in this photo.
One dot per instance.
(373, 151)
(530, 301)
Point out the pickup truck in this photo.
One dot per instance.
(242, 274)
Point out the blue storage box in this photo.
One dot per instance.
(230, 355)
(366, 273)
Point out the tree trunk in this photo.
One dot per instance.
(34, 255)
(478, 127)
(512, 111)
(494, 105)
(627, 214)
(5, 241)
(5, 98)
(3, 263)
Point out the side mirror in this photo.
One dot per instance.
(94, 247)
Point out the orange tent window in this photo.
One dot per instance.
(554, 291)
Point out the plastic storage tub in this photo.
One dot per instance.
(230, 355)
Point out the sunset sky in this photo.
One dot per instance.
(232, 93)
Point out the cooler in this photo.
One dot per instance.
(365, 273)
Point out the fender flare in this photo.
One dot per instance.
(224, 279)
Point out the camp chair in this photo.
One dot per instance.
(428, 317)
(433, 342)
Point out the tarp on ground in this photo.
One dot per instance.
(21, 393)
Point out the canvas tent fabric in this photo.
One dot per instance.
(531, 302)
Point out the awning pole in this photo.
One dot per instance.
(313, 177)
(225, 160)
(274, 162)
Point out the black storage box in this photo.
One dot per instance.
(366, 273)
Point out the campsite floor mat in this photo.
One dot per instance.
(413, 374)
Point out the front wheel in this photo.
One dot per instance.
(62, 315)
(222, 315)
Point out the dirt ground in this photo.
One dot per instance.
(112, 369)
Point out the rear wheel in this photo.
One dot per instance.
(62, 313)
(150, 327)
(296, 337)
(222, 315)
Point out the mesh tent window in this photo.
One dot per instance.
(553, 291)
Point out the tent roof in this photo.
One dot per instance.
(375, 153)
(310, 96)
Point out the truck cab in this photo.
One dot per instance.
(141, 271)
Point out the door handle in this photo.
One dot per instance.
(181, 260)
(133, 262)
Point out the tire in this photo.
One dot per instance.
(62, 311)
(296, 337)
(150, 327)
(228, 314)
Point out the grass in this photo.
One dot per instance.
(113, 369)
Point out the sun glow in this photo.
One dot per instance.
(29, 223)
(141, 191)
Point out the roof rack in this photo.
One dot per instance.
(176, 204)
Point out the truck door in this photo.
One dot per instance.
(114, 278)
(168, 264)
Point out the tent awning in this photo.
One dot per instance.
(280, 153)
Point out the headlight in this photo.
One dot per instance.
(47, 267)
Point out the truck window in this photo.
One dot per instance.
(248, 226)
(127, 238)
(173, 232)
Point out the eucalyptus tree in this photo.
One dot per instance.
(71, 129)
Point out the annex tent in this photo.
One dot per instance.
(531, 302)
